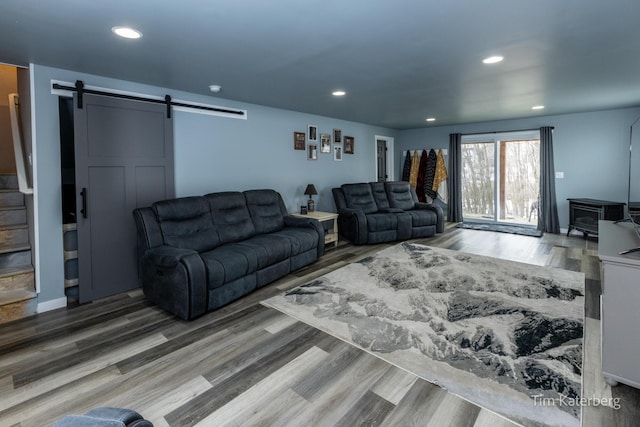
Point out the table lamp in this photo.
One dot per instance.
(310, 190)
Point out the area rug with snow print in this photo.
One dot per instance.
(503, 335)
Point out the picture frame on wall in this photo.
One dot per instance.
(337, 136)
(312, 133)
(349, 143)
(337, 153)
(312, 152)
(299, 140)
(325, 143)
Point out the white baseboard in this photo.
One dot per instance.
(52, 305)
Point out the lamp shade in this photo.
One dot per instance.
(311, 190)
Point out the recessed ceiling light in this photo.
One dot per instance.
(338, 93)
(492, 59)
(127, 32)
(537, 107)
(431, 119)
(215, 88)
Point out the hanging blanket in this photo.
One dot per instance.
(406, 169)
(441, 172)
(415, 165)
(420, 183)
(430, 173)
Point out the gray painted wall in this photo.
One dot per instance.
(211, 154)
(221, 154)
(592, 149)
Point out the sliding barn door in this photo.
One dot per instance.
(124, 160)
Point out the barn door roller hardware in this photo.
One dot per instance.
(80, 89)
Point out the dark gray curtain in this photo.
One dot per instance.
(454, 178)
(548, 210)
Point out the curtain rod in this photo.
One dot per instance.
(504, 131)
(80, 89)
(444, 150)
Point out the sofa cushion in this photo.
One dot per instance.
(399, 195)
(380, 195)
(359, 196)
(381, 222)
(231, 216)
(268, 248)
(266, 209)
(229, 262)
(186, 223)
(421, 218)
(301, 239)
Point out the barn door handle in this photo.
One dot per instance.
(83, 211)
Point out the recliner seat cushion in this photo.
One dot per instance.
(359, 196)
(186, 223)
(268, 248)
(229, 262)
(266, 209)
(301, 239)
(231, 216)
(421, 218)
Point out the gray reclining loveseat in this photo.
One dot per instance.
(199, 253)
(376, 212)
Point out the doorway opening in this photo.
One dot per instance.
(68, 180)
(501, 177)
(384, 158)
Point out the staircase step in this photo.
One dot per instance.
(12, 215)
(17, 278)
(4, 249)
(14, 255)
(11, 198)
(17, 283)
(17, 304)
(14, 234)
(8, 181)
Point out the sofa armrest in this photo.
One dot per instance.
(296, 221)
(438, 212)
(175, 279)
(148, 233)
(168, 256)
(353, 225)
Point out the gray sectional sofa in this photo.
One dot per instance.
(376, 212)
(199, 253)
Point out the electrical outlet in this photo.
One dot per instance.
(559, 175)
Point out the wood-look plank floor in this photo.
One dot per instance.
(247, 365)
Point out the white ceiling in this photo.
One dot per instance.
(399, 61)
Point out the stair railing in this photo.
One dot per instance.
(18, 145)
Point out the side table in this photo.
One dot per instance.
(329, 221)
